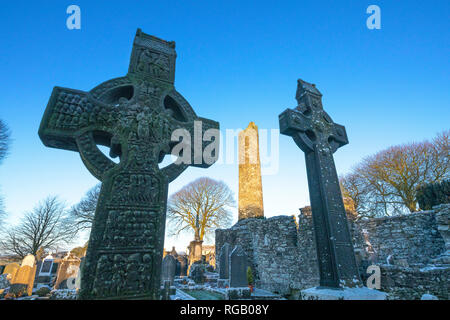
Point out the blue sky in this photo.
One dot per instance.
(238, 61)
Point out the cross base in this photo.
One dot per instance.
(327, 293)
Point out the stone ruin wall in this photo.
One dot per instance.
(411, 243)
(284, 259)
(272, 247)
(411, 239)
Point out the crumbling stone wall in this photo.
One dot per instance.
(412, 238)
(272, 248)
(284, 259)
(410, 283)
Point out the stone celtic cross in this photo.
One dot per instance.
(135, 116)
(319, 137)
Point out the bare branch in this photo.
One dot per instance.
(200, 207)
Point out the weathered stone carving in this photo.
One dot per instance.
(135, 116)
(250, 183)
(319, 137)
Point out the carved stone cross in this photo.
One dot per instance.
(319, 137)
(135, 116)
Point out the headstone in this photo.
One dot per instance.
(183, 265)
(197, 273)
(250, 183)
(195, 251)
(166, 290)
(238, 267)
(319, 137)
(46, 266)
(23, 280)
(1, 269)
(29, 260)
(67, 272)
(78, 278)
(135, 116)
(168, 269)
(11, 270)
(174, 252)
(224, 262)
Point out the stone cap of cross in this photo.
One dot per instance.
(309, 125)
(153, 58)
(140, 108)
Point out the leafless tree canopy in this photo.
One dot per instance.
(4, 140)
(46, 226)
(83, 213)
(4, 147)
(385, 184)
(200, 207)
(2, 213)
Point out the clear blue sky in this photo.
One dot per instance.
(238, 61)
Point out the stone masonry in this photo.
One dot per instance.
(284, 260)
(250, 183)
(272, 248)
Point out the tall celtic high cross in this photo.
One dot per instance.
(319, 137)
(135, 116)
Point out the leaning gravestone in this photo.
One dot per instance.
(27, 273)
(11, 270)
(224, 261)
(168, 269)
(319, 137)
(135, 116)
(238, 268)
(24, 279)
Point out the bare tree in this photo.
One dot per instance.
(83, 213)
(385, 184)
(200, 207)
(46, 226)
(5, 139)
(2, 213)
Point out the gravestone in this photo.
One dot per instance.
(174, 252)
(319, 137)
(11, 270)
(23, 281)
(46, 266)
(168, 269)
(67, 272)
(183, 264)
(238, 268)
(137, 116)
(197, 272)
(29, 260)
(250, 183)
(224, 261)
(195, 251)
